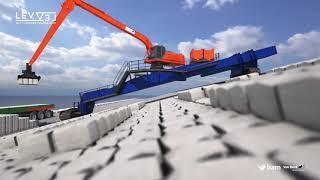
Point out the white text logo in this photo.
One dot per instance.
(35, 17)
(267, 167)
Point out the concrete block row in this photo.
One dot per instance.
(292, 96)
(199, 93)
(296, 65)
(69, 136)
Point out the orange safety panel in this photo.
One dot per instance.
(202, 55)
(209, 54)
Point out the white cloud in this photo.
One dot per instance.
(305, 45)
(236, 39)
(13, 3)
(212, 4)
(190, 3)
(81, 29)
(228, 42)
(6, 17)
(217, 4)
(8, 8)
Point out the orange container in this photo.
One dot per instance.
(201, 55)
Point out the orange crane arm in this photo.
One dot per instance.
(68, 6)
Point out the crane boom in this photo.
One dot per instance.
(155, 54)
(106, 17)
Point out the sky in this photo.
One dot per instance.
(86, 52)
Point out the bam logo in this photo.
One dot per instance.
(35, 17)
(268, 167)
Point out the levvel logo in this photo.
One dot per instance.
(35, 17)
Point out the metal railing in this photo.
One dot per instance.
(126, 66)
(138, 65)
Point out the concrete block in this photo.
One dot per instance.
(15, 124)
(26, 123)
(46, 169)
(231, 122)
(134, 107)
(265, 139)
(83, 166)
(142, 168)
(32, 146)
(80, 135)
(283, 96)
(112, 139)
(263, 97)
(7, 142)
(114, 119)
(102, 125)
(23, 123)
(2, 125)
(182, 95)
(190, 135)
(32, 124)
(126, 113)
(239, 98)
(195, 152)
(207, 88)
(213, 96)
(119, 116)
(9, 124)
(131, 148)
(108, 121)
(300, 99)
(129, 112)
(141, 104)
(223, 95)
(191, 95)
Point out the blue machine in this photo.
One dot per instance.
(135, 76)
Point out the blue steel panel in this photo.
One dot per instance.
(235, 62)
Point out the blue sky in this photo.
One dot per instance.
(86, 52)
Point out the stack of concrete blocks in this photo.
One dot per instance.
(12, 123)
(8, 123)
(80, 132)
(307, 63)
